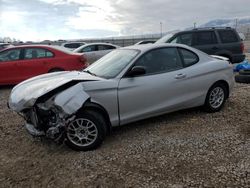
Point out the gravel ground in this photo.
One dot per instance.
(190, 148)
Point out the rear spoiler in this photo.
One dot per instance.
(220, 58)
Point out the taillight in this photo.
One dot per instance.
(242, 47)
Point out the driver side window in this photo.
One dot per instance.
(10, 55)
(160, 60)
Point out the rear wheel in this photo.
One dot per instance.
(215, 98)
(86, 132)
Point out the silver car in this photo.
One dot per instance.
(127, 85)
(94, 51)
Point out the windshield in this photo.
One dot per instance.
(113, 63)
(165, 38)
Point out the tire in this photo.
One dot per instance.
(210, 103)
(242, 79)
(91, 137)
(55, 70)
(244, 72)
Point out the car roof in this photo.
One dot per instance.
(54, 47)
(205, 29)
(73, 42)
(97, 43)
(146, 47)
(31, 45)
(100, 43)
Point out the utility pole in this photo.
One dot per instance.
(248, 31)
(161, 28)
(236, 23)
(194, 25)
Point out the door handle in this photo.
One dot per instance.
(215, 48)
(180, 76)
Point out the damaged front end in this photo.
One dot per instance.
(50, 116)
(41, 121)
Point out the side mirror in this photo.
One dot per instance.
(137, 71)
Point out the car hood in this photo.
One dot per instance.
(25, 94)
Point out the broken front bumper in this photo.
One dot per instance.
(34, 131)
(32, 123)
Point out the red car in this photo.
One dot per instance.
(22, 62)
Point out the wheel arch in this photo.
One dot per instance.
(225, 83)
(90, 105)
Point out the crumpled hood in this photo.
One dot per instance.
(25, 94)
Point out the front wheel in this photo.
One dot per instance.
(86, 132)
(215, 98)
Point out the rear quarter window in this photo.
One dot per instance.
(228, 36)
(189, 58)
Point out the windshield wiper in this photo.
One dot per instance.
(87, 71)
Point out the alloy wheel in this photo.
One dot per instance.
(82, 132)
(216, 97)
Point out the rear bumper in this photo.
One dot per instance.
(237, 58)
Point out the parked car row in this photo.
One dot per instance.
(18, 63)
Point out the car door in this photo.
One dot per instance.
(159, 90)
(9, 60)
(206, 41)
(35, 61)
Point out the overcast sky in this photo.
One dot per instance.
(73, 19)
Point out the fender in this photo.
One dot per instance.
(71, 99)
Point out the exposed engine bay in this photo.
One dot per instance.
(50, 117)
